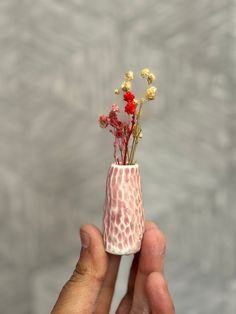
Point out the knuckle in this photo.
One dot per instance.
(81, 269)
(99, 277)
(144, 309)
(83, 272)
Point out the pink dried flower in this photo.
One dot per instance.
(103, 121)
(115, 108)
(120, 129)
(113, 119)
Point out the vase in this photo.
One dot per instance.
(123, 210)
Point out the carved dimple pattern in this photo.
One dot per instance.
(123, 210)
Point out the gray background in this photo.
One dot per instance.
(59, 63)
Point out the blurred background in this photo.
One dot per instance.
(60, 61)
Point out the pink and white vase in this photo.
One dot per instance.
(123, 210)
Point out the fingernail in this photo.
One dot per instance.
(85, 239)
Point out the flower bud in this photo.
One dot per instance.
(103, 121)
(151, 78)
(129, 76)
(150, 93)
(115, 108)
(144, 73)
(126, 85)
(136, 130)
(117, 91)
(128, 96)
(130, 107)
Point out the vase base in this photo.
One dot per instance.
(122, 252)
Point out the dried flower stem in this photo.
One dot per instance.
(127, 140)
(136, 137)
(131, 153)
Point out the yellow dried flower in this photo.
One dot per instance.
(150, 93)
(117, 91)
(129, 76)
(144, 73)
(151, 78)
(136, 130)
(135, 101)
(126, 86)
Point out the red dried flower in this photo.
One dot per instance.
(130, 107)
(128, 96)
(103, 121)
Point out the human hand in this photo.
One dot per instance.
(90, 289)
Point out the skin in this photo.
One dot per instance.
(90, 289)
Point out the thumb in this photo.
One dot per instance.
(80, 293)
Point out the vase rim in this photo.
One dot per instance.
(114, 165)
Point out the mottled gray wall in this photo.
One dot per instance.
(59, 63)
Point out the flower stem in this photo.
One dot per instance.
(131, 152)
(127, 140)
(136, 137)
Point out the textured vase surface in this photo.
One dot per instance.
(123, 210)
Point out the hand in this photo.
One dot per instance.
(91, 287)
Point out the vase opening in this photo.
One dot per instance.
(121, 165)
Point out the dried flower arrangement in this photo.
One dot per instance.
(129, 128)
(123, 210)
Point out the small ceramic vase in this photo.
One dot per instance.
(123, 210)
